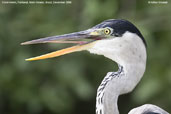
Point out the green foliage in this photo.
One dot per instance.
(67, 84)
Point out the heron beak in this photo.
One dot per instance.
(77, 38)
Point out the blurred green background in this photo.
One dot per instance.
(67, 84)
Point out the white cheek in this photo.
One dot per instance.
(102, 47)
(128, 48)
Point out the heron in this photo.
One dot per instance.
(118, 40)
(148, 109)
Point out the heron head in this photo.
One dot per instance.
(85, 40)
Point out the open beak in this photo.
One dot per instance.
(83, 39)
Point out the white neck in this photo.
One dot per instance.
(128, 51)
(105, 99)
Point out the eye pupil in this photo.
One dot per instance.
(107, 31)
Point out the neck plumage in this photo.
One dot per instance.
(115, 84)
(101, 93)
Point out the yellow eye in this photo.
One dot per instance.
(107, 31)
